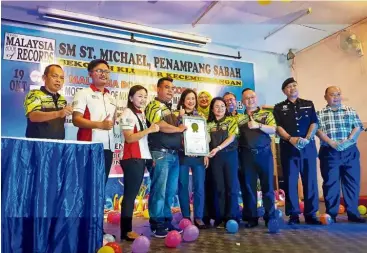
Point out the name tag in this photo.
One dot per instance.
(305, 107)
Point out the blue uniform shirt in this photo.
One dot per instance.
(295, 118)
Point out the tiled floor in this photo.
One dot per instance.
(340, 237)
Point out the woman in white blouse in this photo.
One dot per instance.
(136, 154)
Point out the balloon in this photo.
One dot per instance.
(325, 219)
(146, 214)
(264, 2)
(191, 233)
(173, 239)
(273, 226)
(114, 217)
(177, 217)
(109, 238)
(141, 245)
(260, 211)
(184, 223)
(232, 226)
(341, 209)
(106, 249)
(362, 209)
(115, 246)
(302, 206)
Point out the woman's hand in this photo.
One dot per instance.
(213, 152)
(206, 162)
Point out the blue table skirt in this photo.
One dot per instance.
(52, 196)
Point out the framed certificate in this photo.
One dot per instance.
(196, 136)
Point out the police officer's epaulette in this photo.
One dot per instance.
(305, 100)
(280, 103)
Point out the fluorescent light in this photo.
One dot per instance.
(110, 23)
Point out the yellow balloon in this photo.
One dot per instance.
(318, 213)
(264, 2)
(106, 249)
(362, 209)
(146, 214)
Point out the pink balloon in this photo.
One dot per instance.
(116, 218)
(184, 223)
(173, 239)
(191, 233)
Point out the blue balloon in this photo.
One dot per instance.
(232, 226)
(273, 226)
(260, 211)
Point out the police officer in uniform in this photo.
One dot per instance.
(297, 124)
(256, 158)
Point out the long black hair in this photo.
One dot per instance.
(181, 102)
(132, 92)
(211, 116)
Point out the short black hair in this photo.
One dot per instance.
(229, 93)
(161, 80)
(246, 89)
(47, 69)
(96, 62)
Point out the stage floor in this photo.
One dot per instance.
(339, 237)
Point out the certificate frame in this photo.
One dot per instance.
(196, 136)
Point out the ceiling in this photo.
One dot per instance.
(236, 24)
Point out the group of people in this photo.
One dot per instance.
(240, 148)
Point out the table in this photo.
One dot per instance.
(52, 196)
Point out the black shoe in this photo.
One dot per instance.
(293, 219)
(252, 223)
(170, 227)
(160, 232)
(221, 225)
(311, 220)
(200, 224)
(356, 219)
(266, 222)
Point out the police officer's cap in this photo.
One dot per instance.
(288, 81)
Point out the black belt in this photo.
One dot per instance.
(255, 151)
(169, 151)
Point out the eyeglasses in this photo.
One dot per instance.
(55, 77)
(102, 71)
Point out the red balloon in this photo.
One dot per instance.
(116, 247)
(173, 239)
(302, 206)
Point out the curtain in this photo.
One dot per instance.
(52, 196)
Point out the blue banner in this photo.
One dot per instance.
(27, 50)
